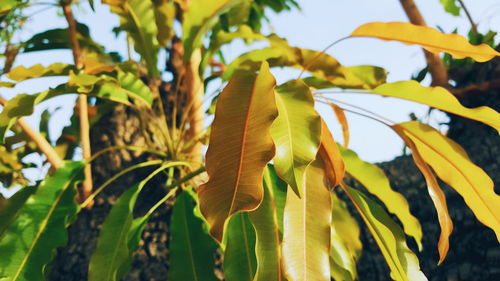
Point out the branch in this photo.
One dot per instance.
(42, 144)
(82, 103)
(195, 91)
(469, 17)
(481, 87)
(437, 69)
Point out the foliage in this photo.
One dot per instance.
(271, 222)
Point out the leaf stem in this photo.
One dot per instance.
(469, 17)
(42, 144)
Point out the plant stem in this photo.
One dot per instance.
(472, 24)
(42, 144)
(82, 104)
(195, 91)
(436, 67)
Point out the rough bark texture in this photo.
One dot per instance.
(474, 250)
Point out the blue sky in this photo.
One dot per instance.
(318, 24)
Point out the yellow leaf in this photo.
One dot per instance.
(306, 235)
(340, 114)
(240, 147)
(330, 156)
(429, 38)
(435, 193)
(438, 97)
(451, 163)
(376, 182)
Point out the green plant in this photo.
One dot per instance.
(270, 221)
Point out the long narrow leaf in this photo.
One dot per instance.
(29, 243)
(439, 98)
(267, 245)
(306, 237)
(376, 182)
(330, 156)
(191, 248)
(239, 149)
(429, 38)
(9, 209)
(240, 263)
(451, 163)
(389, 237)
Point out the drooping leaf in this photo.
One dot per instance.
(239, 149)
(279, 192)
(330, 156)
(389, 236)
(191, 248)
(240, 263)
(345, 249)
(376, 182)
(267, 245)
(9, 209)
(340, 114)
(29, 243)
(112, 250)
(23, 105)
(120, 234)
(323, 66)
(306, 237)
(429, 38)
(438, 97)
(451, 7)
(165, 15)
(58, 38)
(198, 19)
(451, 163)
(296, 133)
(436, 194)
(22, 73)
(137, 18)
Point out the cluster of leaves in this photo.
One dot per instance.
(279, 221)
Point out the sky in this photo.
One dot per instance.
(316, 25)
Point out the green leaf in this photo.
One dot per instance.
(361, 77)
(376, 182)
(439, 98)
(451, 7)
(345, 249)
(279, 192)
(7, 84)
(267, 245)
(9, 209)
(22, 73)
(29, 243)
(58, 38)
(389, 237)
(296, 133)
(306, 236)
(240, 263)
(23, 105)
(120, 234)
(197, 20)
(7, 5)
(191, 248)
(137, 18)
(164, 15)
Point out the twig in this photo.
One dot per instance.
(481, 87)
(472, 23)
(82, 103)
(42, 144)
(436, 67)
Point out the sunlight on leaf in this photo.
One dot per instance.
(438, 97)
(306, 236)
(389, 237)
(296, 133)
(429, 38)
(342, 119)
(331, 157)
(451, 163)
(239, 149)
(240, 263)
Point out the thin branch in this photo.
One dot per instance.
(42, 144)
(472, 23)
(436, 67)
(82, 103)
